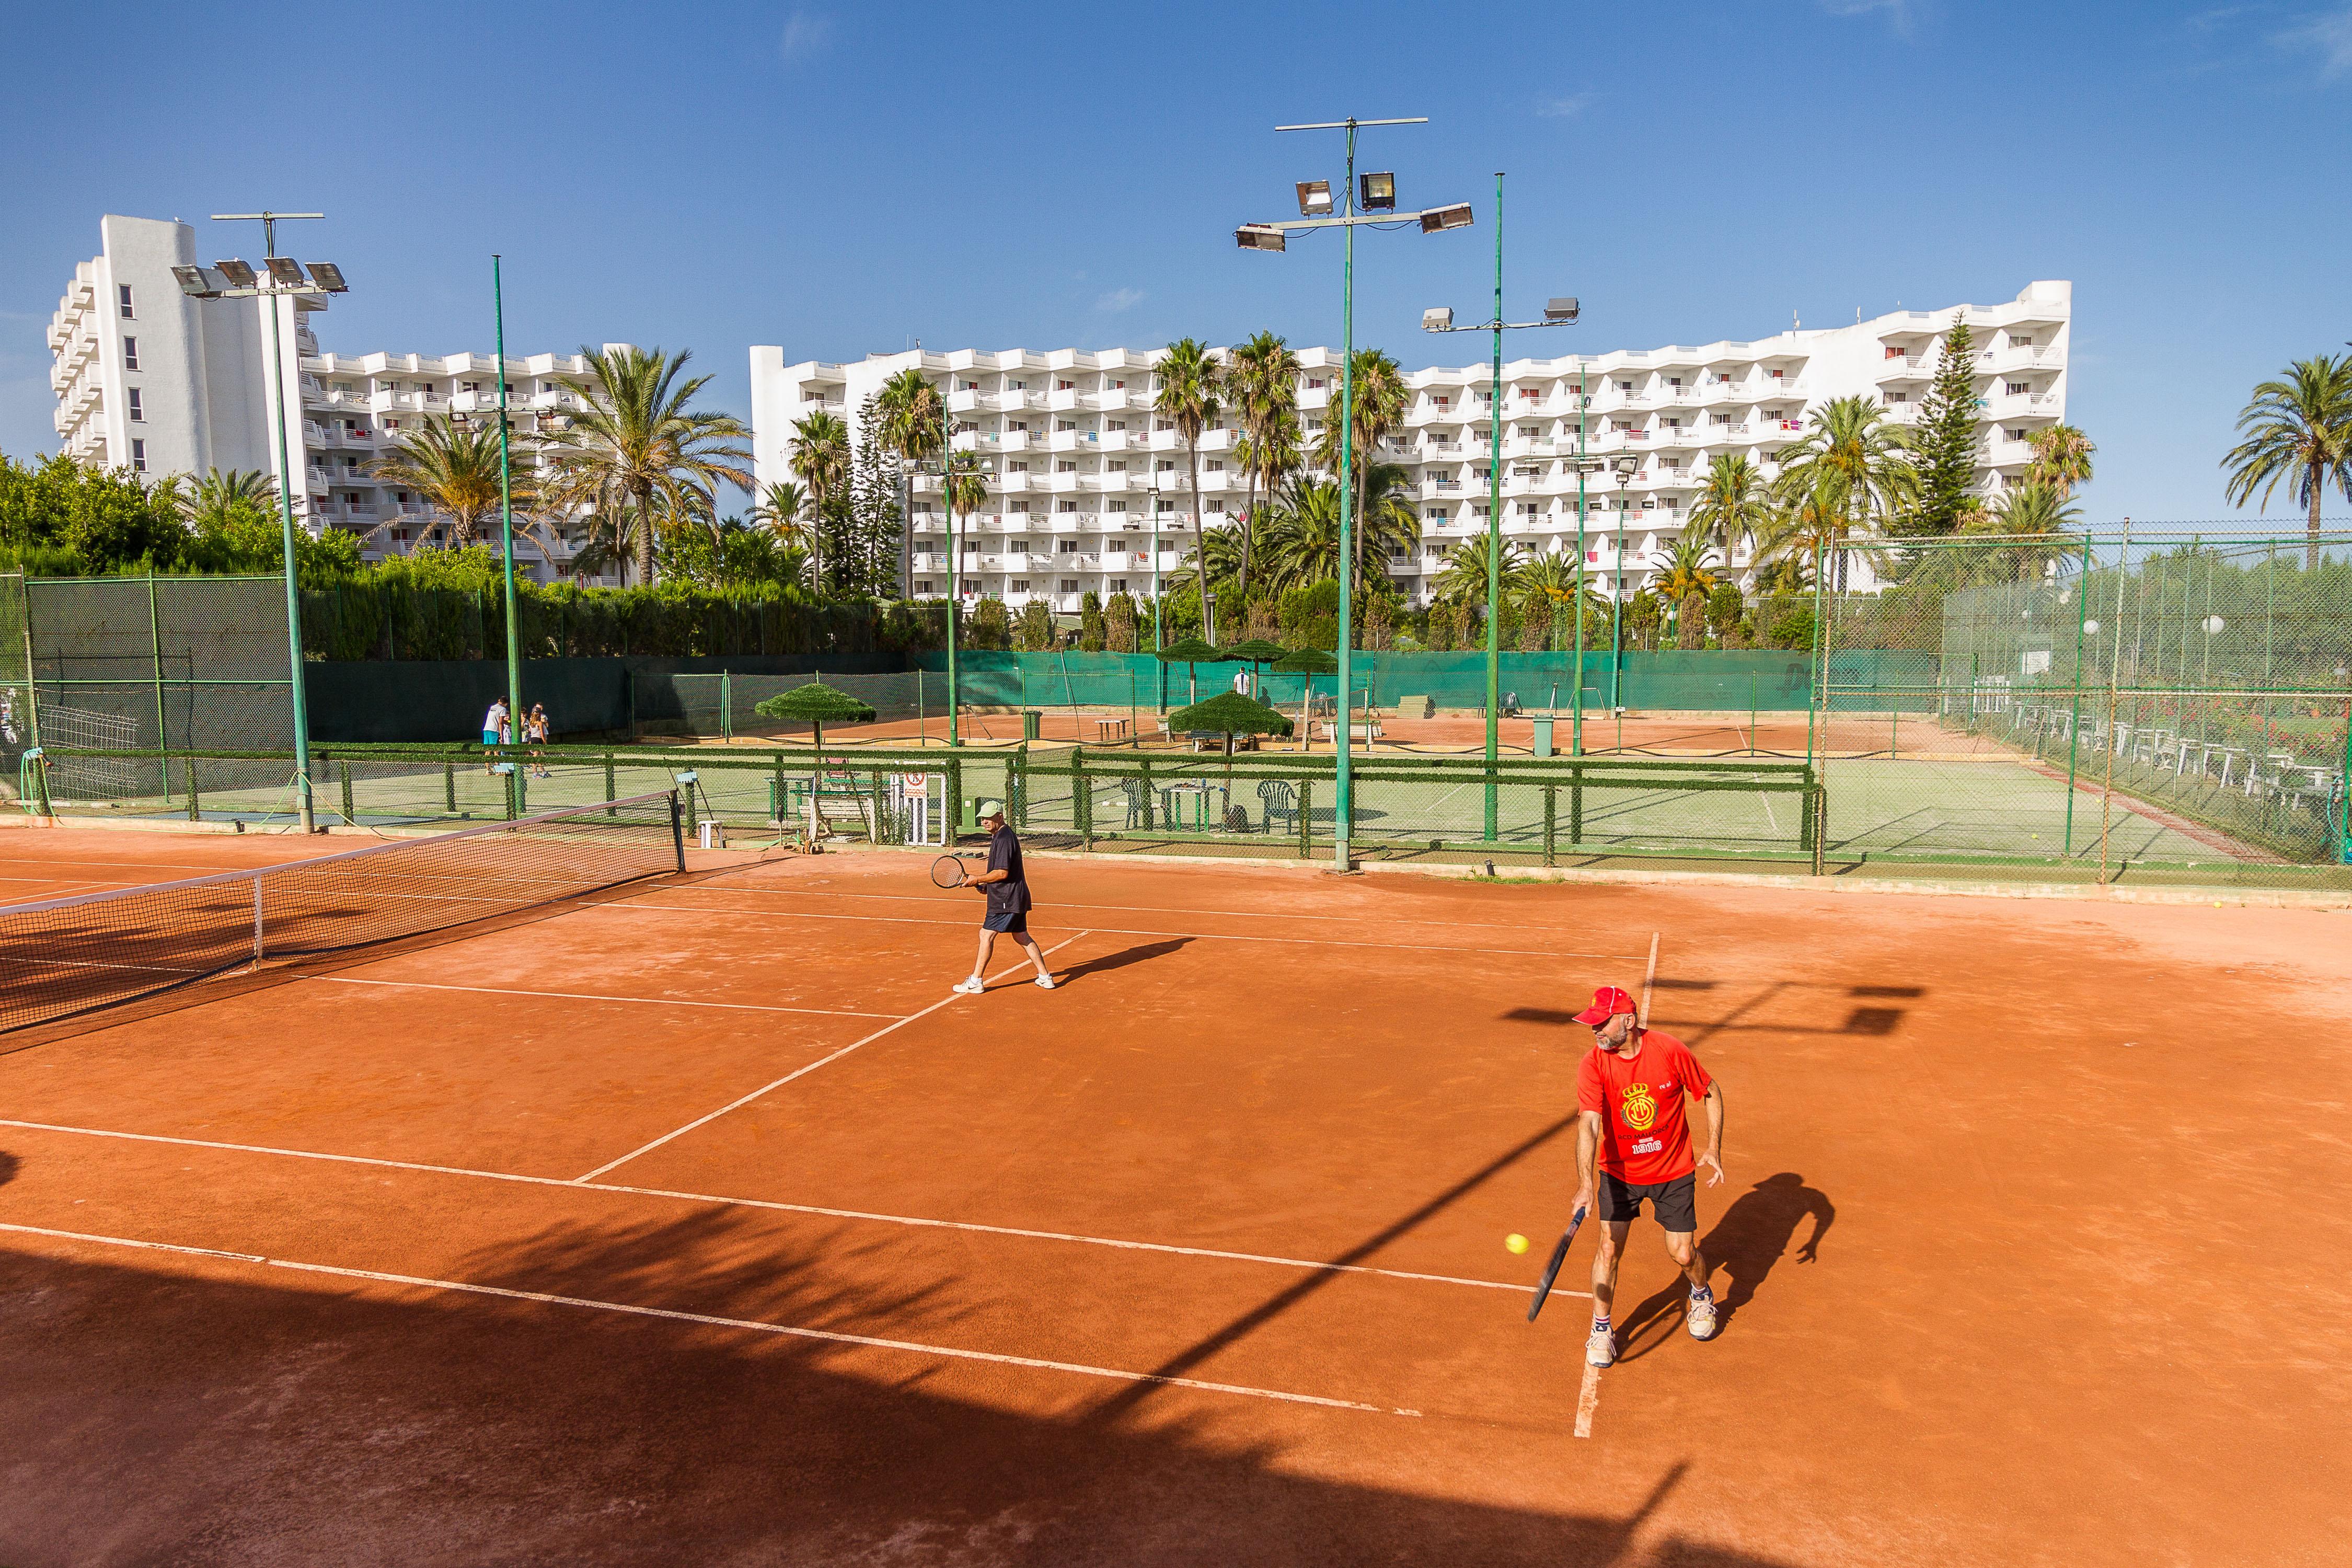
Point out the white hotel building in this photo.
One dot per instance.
(1079, 468)
(149, 379)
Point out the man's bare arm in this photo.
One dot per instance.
(1588, 1139)
(1713, 1153)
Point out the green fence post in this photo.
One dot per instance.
(1016, 787)
(344, 766)
(954, 824)
(195, 808)
(1552, 822)
(162, 727)
(726, 705)
(881, 805)
(1150, 799)
(1082, 801)
(611, 791)
(513, 810)
(2075, 729)
(776, 791)
(449, 786)
(1306, 816)
(1575, 807)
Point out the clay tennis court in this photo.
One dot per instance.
(698, 1222)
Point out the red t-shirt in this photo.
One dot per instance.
(1643, 1137)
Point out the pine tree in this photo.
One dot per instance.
(1946, 455)
(876, 525)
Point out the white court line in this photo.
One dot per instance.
(780, 1208)
(588, 996)
(1137, 908)
(625, 906)
(1588, 1400)
(800, 1072)
(751, 1324)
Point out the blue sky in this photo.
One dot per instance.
(841, 179)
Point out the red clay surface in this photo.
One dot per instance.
(707, 1226)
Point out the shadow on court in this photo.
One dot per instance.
(1141, 952)
(8, 1167)
(212, 1413)
(1753, 1235)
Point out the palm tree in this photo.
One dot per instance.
(1301, 543)
(783, 508)
(1189, 381)
(2036, 513)
(1686, 573)
(2299, 428)
(634, 442)
(1463, 579)
(2062, 457)
(914, 418)
(1851, 472)
(1814, 521)
(1379, 395)
(1263, 378)
(820, 461)
(221, 492)
(1388, 521)
(456, 470)
(967, 490)
(1732, 507)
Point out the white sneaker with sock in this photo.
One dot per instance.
(970, 986)
(1044, 982)
(1701, 1318)
(1601, 1348)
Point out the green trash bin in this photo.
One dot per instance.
(1543, 734)
(1030, 721)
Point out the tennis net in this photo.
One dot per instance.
(63, 956)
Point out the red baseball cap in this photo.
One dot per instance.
(1607, 1003)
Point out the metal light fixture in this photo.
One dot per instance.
(1627, 466)
(1260, 236)
(238, 274)
(1314, 198)
(1458, 216)
(1376, 193)
(1556, 310)
(286, 270)
(194, 284)
(1437, 318)
(330, 277)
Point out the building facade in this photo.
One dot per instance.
(1088, 489)
(149, 379)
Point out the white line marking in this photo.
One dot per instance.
(800, 1072)
(751, 1324)
(670, 1193)
(707, 914)
(1588, 1400)
(589, 996)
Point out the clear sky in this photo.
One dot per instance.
(841, 179)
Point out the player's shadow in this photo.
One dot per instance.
(9, 1165)
(1753, 1235)
(1141, 952)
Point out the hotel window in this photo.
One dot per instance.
(1119, 585)
(1530, 509)
(1892, 352)
(1069, 584)
(1058, 386)
(138, 412)
(1215, 466)
(123, 293)
(1065, 506)
(1066, 547)
(1066, 467)
(1018, 584)
(1116, 466)
(1065, 424)
(2019, 388)
(922, 585)
(139, 457)
(1441, 403)
(1216, 507)
(968, 386)
(1010, 468)
(1116, 506)
(131, 353)
(1113, 423)
(1167, 465)
(1315, 384)
(1018, 385)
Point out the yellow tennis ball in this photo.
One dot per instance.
(1515, 1242)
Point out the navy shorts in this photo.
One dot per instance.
(1674, 1205)
(1018, 921)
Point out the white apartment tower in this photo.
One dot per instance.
(149, 379)
(1080, 470)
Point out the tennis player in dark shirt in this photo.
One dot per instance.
(1008, 901)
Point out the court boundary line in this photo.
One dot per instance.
(780, 1207)
(753, 1325)
(802, 1071)
(583, 995)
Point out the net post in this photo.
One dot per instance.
(677, 831)
(1082, 800)
(449, 786)
(1016, 785)
(257, 917)
(513, 805)
(344, 766)
(611, 786)
(195, 802)
(953, 827)
(1550, 823)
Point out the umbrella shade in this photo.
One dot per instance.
(816, 703)
(1192, 650)
(1229, 713)
(1257, 650)
(1307, 661)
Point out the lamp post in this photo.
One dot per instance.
(1376, 194)
(1557, 313)
(506, 500)
(1584, 466)
(239, 281)
(1626, 465)
(1158, 640)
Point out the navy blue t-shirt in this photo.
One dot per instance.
(1009, 896)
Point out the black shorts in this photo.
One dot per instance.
(1674, 1205)
(1014, 921)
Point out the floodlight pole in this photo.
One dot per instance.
(272, 292)
(506, 503)
(1576, 697)
(1157, 642)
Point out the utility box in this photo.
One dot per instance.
(1543, 734)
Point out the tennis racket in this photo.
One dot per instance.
(952, 870)
(1551, 1269)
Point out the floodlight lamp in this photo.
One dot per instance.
(330, 277)
(1260, 236)
(1560, 310)
(1458, 216)
(1438, 319)
(1376, 193)
(1628, 465)
(285, 269)
(194, 284)
(238, 274)
(1314, 198)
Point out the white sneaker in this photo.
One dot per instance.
(1044, 982)
(1701, 1319)
(969, 986)
(1601, 1349)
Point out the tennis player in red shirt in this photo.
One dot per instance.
(1629, 1098)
